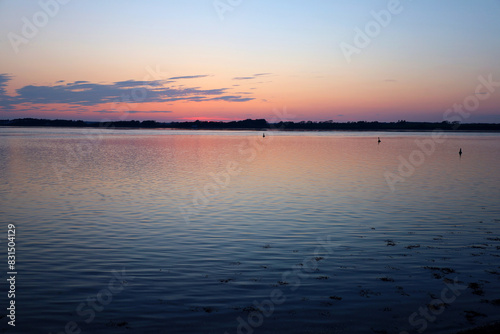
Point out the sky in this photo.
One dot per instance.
(177, 60)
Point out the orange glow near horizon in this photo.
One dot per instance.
(327, 99)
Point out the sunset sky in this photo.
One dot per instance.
(175, 60)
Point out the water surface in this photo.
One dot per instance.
(154, 231)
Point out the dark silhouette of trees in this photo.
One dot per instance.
(258, 124)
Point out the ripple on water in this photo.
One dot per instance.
(310, 217)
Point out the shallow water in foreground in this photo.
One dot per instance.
(155, 231)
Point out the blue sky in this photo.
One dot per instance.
(426, 59)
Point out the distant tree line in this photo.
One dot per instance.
(387, 126)
(261, 124)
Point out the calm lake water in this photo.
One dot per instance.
(159, 231)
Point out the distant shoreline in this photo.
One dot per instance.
(258, 129)
(261, 125)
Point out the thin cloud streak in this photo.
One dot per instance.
(189, 77)
(133, 111)
(243, 78)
